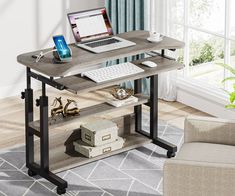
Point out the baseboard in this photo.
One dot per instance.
(204, 103)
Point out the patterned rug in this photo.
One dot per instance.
(138, 172)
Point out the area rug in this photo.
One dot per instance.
(138, 172)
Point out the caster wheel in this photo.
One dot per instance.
(61, 191)
(31, 173)
(170, 154)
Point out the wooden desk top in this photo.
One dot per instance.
(83, 58)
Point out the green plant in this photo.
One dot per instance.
(231, 94)
(206, 55)
(233, 53)
(221, 55)
(180, 59)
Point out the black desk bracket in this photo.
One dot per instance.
(41, 169)
(153, 104)
(45, 80)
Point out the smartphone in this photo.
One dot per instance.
(62, 47)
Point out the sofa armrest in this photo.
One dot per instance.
(190, 178)
(210, 130)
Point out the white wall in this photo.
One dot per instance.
(27, 25)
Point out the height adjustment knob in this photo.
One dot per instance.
(22, 95)
(37, 102)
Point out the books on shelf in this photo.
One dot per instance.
(118, 103)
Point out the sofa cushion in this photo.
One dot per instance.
(207, 152)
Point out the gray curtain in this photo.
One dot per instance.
(128, 15)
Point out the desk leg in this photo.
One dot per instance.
(43, 168)
(29, 136)
(154, 107)
(171, 149)
(138, 109)
(44, 143)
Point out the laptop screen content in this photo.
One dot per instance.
(90, 25)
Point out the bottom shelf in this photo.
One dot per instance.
(62, 155)
(73, 159)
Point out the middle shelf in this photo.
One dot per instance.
(85, 112)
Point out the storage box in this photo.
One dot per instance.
(90, 152)
(99, 132)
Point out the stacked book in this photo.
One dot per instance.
(98, 137)
(119, 103)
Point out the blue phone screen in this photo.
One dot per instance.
(62, 47)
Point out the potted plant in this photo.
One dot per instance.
(231, 94)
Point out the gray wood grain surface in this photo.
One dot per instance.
(64, 157)
(60, 161)
(83, 58)
(85, 112)
(78, 84)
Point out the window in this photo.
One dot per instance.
(208, 30)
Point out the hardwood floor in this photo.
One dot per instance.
(12, 113)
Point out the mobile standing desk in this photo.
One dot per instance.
(54, 75)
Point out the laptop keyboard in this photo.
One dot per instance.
(103, 43)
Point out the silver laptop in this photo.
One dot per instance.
(92, 31)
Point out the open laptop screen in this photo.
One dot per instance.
(90, 25)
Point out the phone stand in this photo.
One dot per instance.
(57, 59)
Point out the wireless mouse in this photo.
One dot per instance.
(149, 64)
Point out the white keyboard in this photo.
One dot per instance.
(112, 72)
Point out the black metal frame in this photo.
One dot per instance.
(153, 104)
(42, 169)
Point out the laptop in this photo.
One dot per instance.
(92, 31)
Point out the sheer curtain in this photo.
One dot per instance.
(129, 15)
(167, 87)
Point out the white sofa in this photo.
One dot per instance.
(205, 165)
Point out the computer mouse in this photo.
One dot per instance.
(149, 64)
